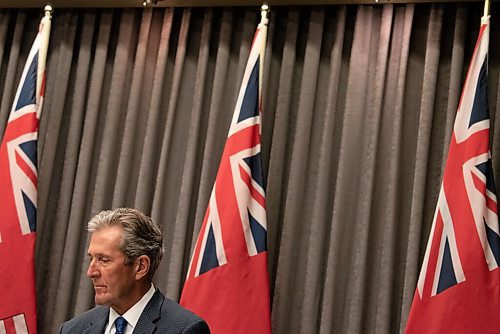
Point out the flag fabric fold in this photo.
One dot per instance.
(227, 283)
(458, 290)
(18, 185)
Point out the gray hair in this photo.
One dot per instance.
(141, 236)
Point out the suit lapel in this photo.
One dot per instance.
(99, 325)
(150, 315)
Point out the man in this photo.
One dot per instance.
(125, 250)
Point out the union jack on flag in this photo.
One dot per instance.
(227, 282)
(458, 290)
(18, 185)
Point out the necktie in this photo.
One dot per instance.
(120, 324)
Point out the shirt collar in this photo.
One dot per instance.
(133, 314)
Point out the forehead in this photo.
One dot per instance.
(106, 240)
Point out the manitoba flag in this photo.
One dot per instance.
(227, 283)
(18, 186)
(458, 290)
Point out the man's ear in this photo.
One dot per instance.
(142, 266)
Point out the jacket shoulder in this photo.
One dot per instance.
(181, 320)
(85, 320)
(174, 310)
(170, 317)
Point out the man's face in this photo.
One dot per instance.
(113, 280)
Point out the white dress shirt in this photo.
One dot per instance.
(132, 315)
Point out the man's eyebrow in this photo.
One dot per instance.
(97, 254)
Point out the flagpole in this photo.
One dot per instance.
(485, 20)
(44, 31)
(264, 11)
(486, 8)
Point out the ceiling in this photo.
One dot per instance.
(193, 3)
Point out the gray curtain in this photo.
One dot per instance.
(359, 103)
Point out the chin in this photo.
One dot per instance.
(100, 300)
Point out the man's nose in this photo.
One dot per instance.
(92, 270)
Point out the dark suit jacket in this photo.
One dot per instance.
(161, 315)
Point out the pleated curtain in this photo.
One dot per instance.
(358, 108)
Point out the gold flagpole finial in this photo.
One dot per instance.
(264, 10)
(48, 10)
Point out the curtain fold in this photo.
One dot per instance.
(383, 308)
(358, 109)
(323, 137)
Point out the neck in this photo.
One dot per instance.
(132, 299)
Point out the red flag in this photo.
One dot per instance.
(18, 185)
(458, 290)
(227, 282)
